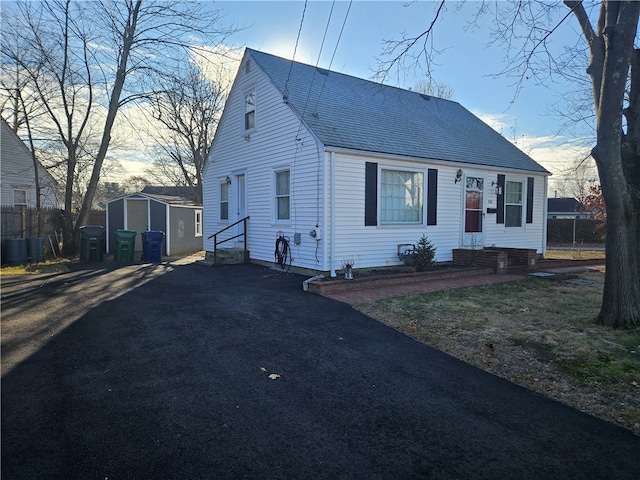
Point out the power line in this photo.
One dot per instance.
(334, 52)
(286, 83)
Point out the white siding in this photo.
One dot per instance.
(373, 246)
(378, 245)
(17, 172)
(530, 235)
(280, 141)
(277, 142)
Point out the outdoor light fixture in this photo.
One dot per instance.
(498, 188)
(228, 181)
(458, 175)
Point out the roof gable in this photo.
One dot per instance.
(356, 114)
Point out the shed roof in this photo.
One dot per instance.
(171, 195)
(356, 114)
(181, 196)
(565, 205)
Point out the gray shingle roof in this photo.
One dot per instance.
(352, 113)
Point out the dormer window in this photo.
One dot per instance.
(250, 110)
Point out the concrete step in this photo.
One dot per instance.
(225, 256)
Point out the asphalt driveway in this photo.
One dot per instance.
(189, 372)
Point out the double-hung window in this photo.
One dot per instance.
(283, 195)
(250, 110)
(198, 223)
(401, 194)
(224, 201)
(513, 204)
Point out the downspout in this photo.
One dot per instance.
(124, 216)
(544, 216)
(332, 216)
(107, 232)
(167, 233)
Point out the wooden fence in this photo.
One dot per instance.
(23, 222)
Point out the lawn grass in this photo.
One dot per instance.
(574, 254)
(33, 268)
(539, 333)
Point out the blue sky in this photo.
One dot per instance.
(465, 64)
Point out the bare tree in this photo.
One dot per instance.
(188, 106)
(433, 88)
(524, 29)
(578, 178)
(87, 60)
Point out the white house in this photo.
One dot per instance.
(344, 168)
(18, 180)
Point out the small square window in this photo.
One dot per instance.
(19, 196)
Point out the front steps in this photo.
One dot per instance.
(226, 256)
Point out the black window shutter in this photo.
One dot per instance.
(529, 199)
(500, 200)
(371, 194)
(432, 197)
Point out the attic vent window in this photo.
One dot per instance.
(247, 66)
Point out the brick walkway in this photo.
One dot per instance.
(378, 292)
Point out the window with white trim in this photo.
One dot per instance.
(283, 195)
(19, 196)
(250, 110)
(402, 197)
(224, 200)
(513, 204)
(198, 223)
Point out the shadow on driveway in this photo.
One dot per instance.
(164, 372)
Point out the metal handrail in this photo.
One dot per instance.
(243, 234)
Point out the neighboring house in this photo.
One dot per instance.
(18, 186)
(166, 209)
(566, 208)
(348, 169)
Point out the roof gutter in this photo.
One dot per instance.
(435, 161)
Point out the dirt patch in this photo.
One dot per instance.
(539, 333)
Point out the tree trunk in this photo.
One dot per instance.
(611, 47)
(621, 297)
(128, 37)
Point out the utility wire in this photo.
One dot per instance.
(286, 83)
(334, 52)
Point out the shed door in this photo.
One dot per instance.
(138, 219)
(474, 198)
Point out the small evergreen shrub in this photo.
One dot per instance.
(423, 254)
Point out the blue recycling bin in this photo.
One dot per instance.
(152, 246)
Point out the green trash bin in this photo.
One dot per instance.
(125, 246)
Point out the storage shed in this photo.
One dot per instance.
(171, 210)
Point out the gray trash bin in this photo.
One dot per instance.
(92, 246)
